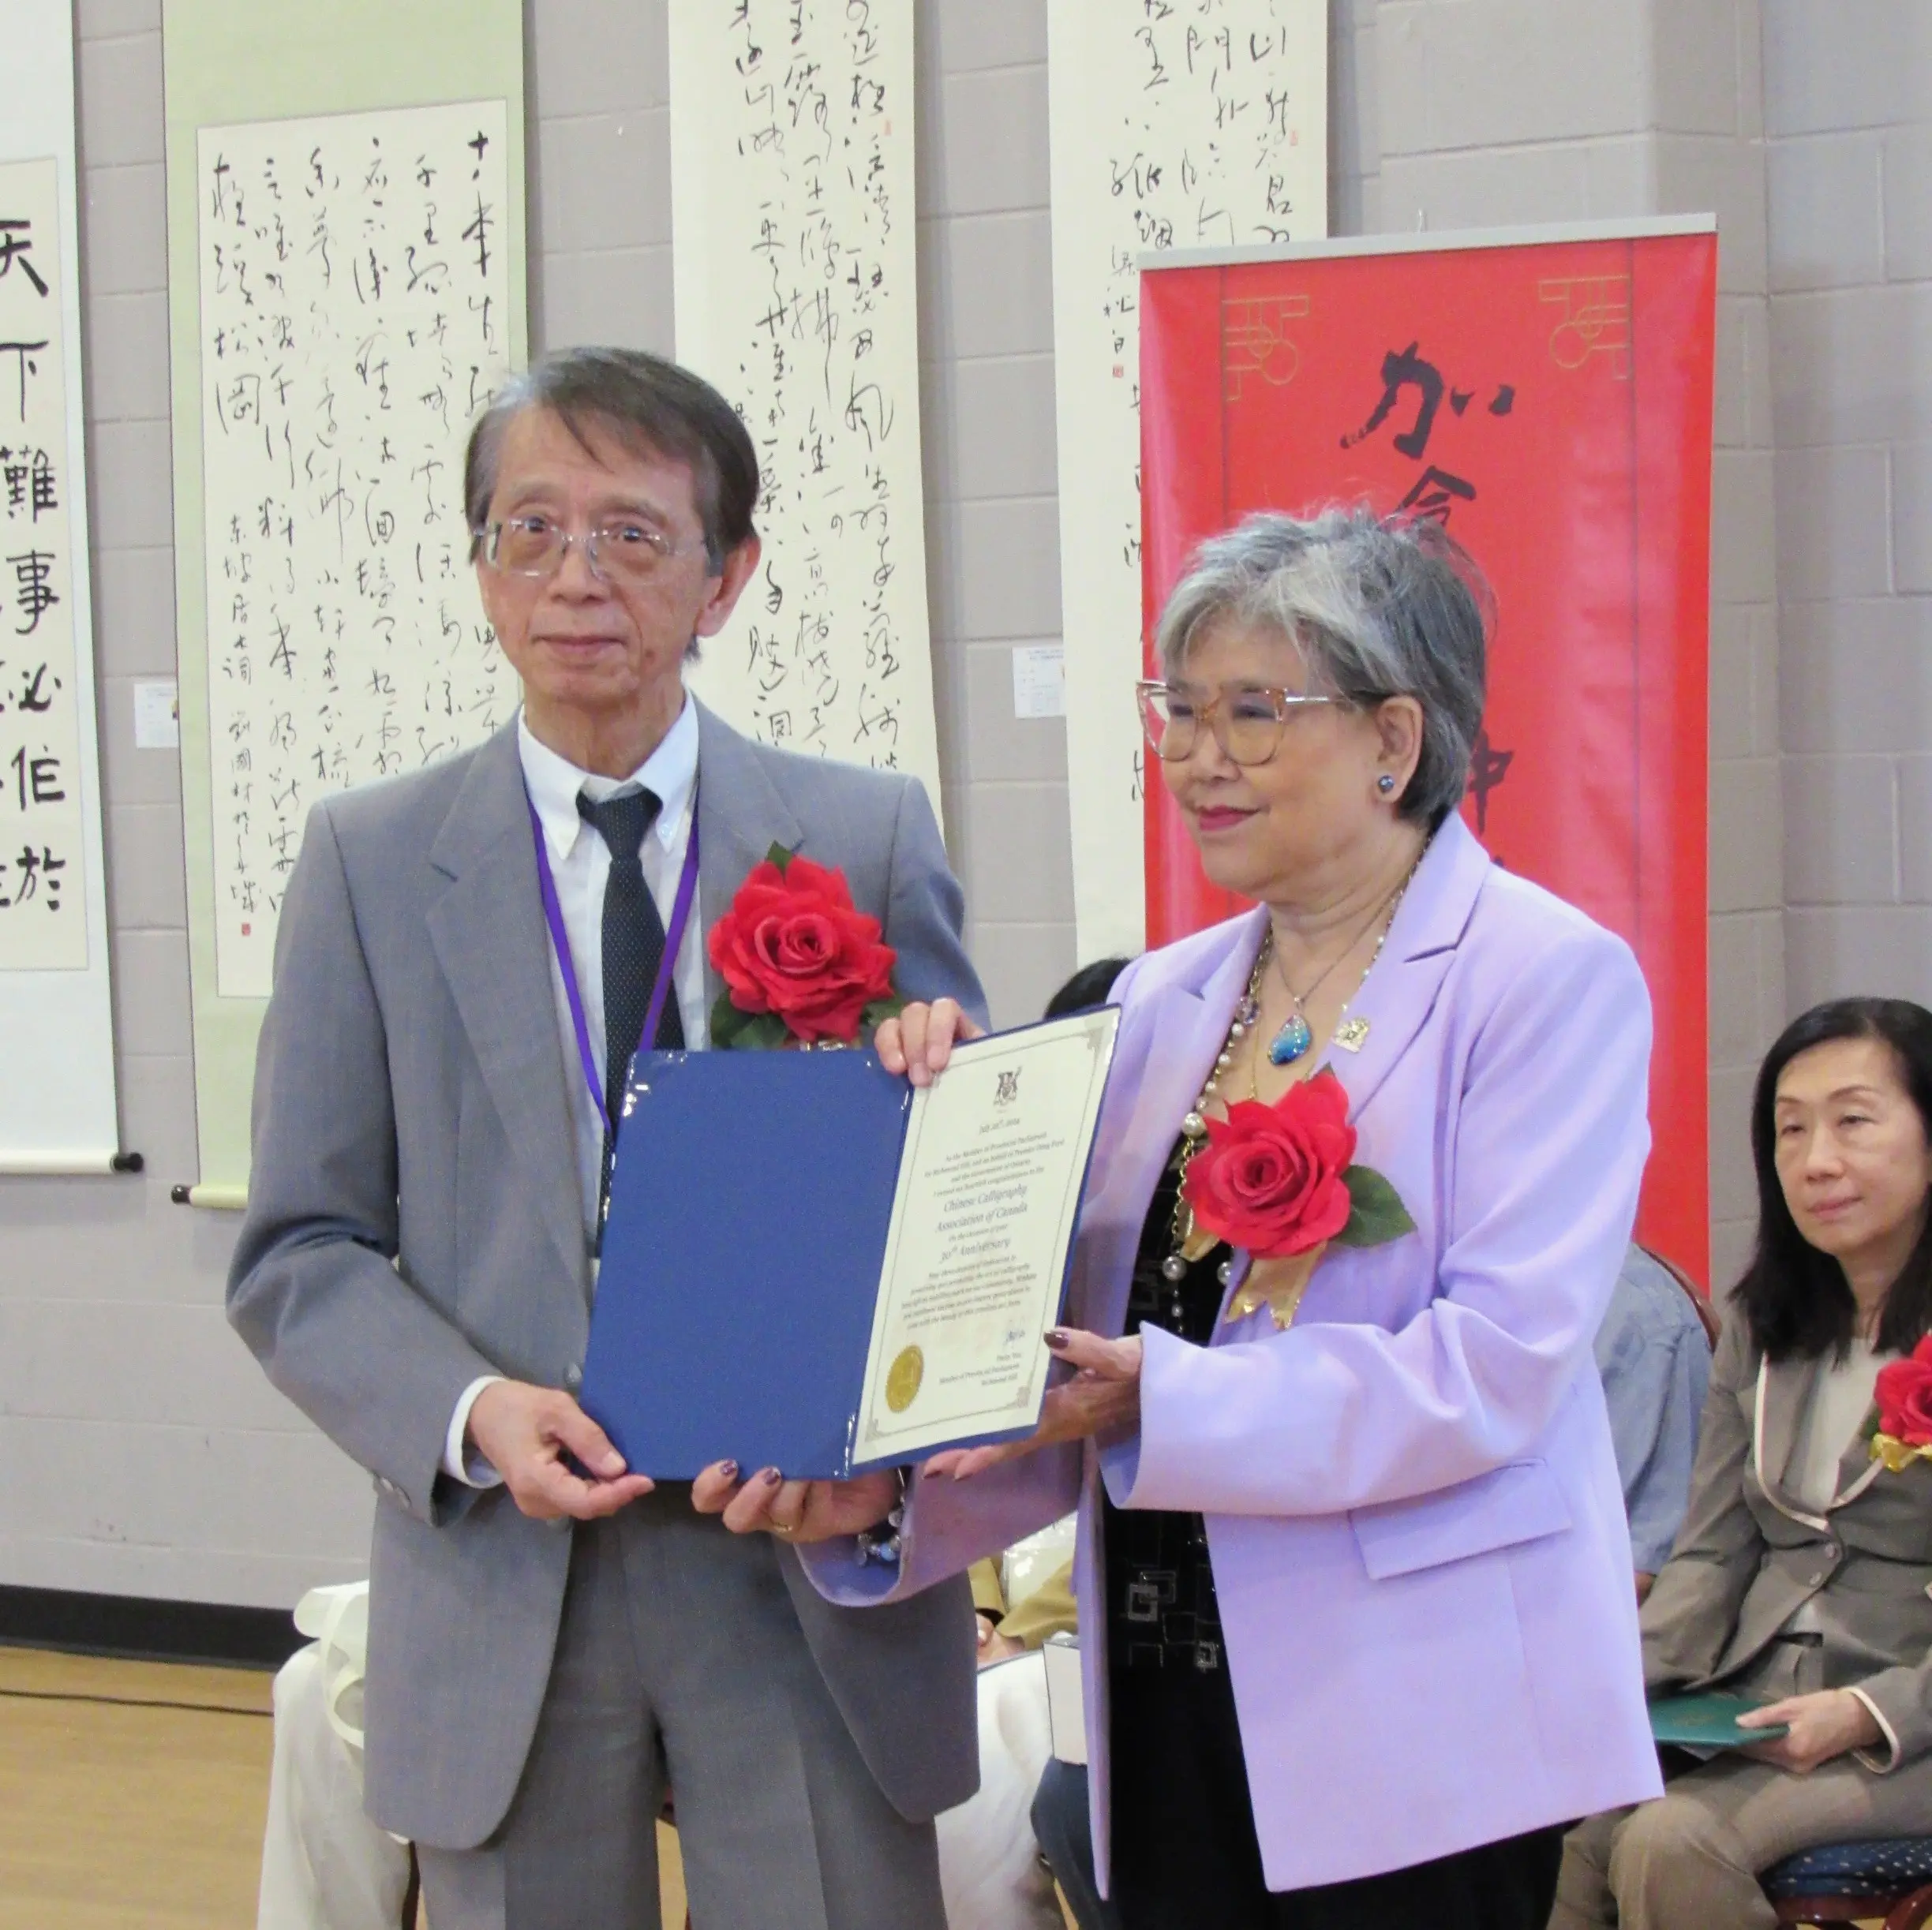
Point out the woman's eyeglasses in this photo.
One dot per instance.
(1247, 719)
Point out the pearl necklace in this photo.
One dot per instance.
(1350, 1033)
(1194, 1129)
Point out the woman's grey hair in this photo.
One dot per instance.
(651, 406)
(1378, 606)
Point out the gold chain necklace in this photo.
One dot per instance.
(1297, 1035)
(1187, 1238)
(1348, 1034)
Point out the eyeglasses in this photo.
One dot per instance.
(624, 551)
(1247, 719)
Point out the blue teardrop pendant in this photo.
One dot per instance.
(1293, 1039)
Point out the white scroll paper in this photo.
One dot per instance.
(1172, 126)
(354, 317)
(57, 1107)
(43, 857)
(792, 229)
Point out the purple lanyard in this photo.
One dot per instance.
(667, 965)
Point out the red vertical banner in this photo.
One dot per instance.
(1550, 402)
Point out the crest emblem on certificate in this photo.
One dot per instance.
(1008, 1089)
(903, 1378)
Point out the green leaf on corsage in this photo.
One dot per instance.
(876, 1014)
(1376, 1214)
(735, 1030)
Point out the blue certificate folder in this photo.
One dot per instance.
(750, 1204)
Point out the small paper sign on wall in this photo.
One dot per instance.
(1039, 680)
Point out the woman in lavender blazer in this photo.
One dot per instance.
(1355, 1593)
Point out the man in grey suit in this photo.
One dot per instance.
(467, 956)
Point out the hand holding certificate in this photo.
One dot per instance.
(811, 1266)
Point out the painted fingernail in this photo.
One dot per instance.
(771, 1477)
(1056, 1338)
(728, 1469)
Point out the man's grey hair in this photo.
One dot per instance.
(1378, 607)
(648, 404)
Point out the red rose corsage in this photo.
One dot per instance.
(1280, 1180)
(1904, 1395)
(802, 965)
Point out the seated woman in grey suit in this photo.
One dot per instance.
(1802, 1570)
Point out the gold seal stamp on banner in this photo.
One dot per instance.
(903, 1378)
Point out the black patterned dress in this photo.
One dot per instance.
(1160, 1592)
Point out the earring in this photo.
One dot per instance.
(1385, 784)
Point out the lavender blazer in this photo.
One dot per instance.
(1412, 1507)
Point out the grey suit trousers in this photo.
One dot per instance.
(680, 1662)
(1690, 1860)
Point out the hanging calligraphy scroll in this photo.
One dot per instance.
(1202, 126)
(1548, 399)
(346, 287)
(354, 297)
(796, 294)
(57, 1093)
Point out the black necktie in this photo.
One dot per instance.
(634, 944)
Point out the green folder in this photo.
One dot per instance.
(1707, 1721)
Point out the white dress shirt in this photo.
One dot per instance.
(1840, 1398)
(580, 863)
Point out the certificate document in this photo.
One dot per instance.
(809, 1265)
(983, 1223)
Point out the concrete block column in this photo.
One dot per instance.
(1488, 113)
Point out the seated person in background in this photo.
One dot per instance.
(1654, 1358)
(1014, 1620)
(1799, 1574)
(990, 1866)
(325, 1866)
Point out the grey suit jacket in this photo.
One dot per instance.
(1748, 1555)
(415, 1220)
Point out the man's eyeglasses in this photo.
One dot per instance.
(1247, 719)
(621, 551)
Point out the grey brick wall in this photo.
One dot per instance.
(1489, 112)
(141, 1450)
(1848, 137)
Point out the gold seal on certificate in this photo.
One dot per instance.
(902, 1382)
(983, 1223)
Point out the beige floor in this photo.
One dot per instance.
(132, 1796)
(116, 1810)
(133, 1793)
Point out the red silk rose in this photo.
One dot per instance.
(1905, 1396)
(1273, 1178)
(793, 948)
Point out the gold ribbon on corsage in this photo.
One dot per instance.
(1280, 1181)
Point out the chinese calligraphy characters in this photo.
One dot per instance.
(1173, 126)
(1436, 491)
(792, 147)
(42, 842)
(354, 317)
